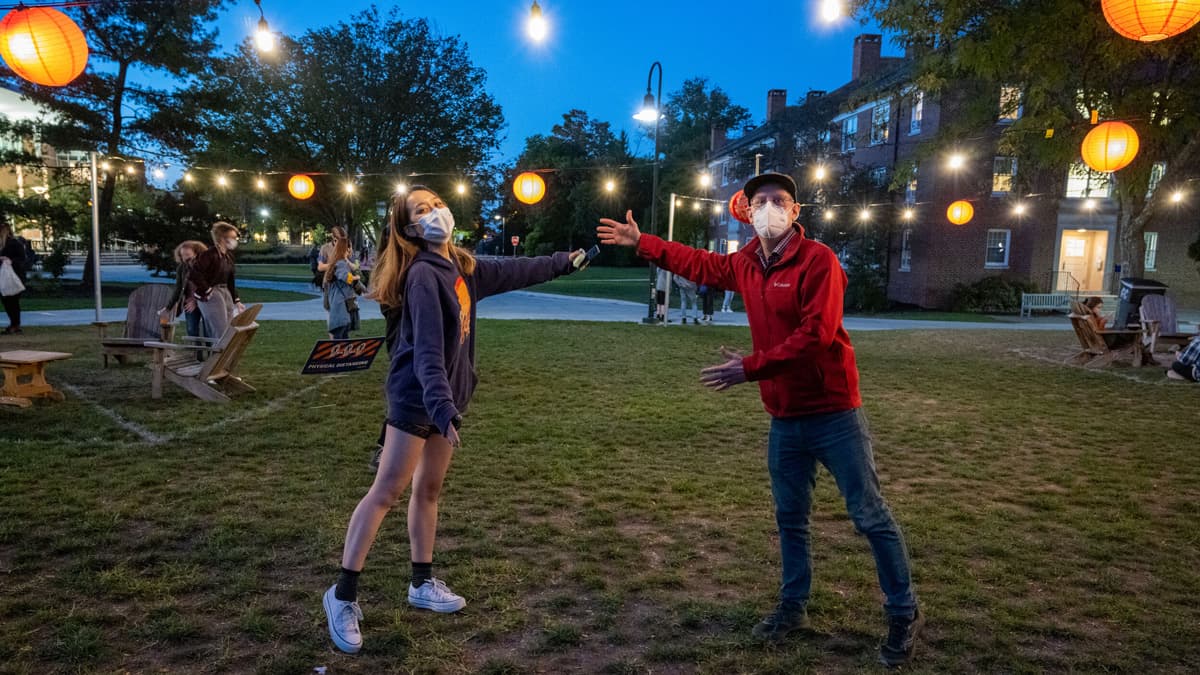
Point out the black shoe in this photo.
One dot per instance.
(787, 618)
(901, 640)
(375, 458)
(13, 330)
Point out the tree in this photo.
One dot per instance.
(102, 109)
(172, 219)
(1066, 61)
(375, 94)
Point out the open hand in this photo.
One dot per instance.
(452, 437)
(723, 376)
(619, 234)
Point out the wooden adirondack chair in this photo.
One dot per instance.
(1104, 346)
(212, 378)
(142, 324)
(1160, 324)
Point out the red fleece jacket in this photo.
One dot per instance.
(803, 360)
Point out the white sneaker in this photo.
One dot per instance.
(343, 622)
(435, 595)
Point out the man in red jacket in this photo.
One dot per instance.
(804, 365)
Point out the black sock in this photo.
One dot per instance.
(347, 586)
(421, 572)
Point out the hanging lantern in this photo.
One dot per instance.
(43, 45)
(301, 186)
(739, 207)
(1151, 20)
(960, 212)
(1110, 146)
(529, 188)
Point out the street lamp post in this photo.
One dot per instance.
(651, 107)
(503, 231)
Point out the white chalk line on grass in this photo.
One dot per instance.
(151, 438)
(1107, 372)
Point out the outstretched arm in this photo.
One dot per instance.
(496, 276)
(712, 269)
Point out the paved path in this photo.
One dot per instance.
(514, 305)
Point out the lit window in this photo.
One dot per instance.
(1004, 169)
(1156, 174)
(1082, 182)
(879, 176)
(997, 248)
(1010, 104)
(849, 132)
(726, 173)
(881, 118)
(1151, 251)
(918, 111)
(910, 191)
(906, 251)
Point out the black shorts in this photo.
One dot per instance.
(418, 430)
(660, 297)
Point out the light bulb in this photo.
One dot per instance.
(537, 28)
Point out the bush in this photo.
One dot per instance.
(866, 290)
(990, 294)
(55, 263)
(280, 257)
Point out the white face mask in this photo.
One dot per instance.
(771, 221)
(231, 244)
(436, 225)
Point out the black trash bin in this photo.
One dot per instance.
(1133, 290)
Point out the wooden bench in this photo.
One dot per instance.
(1044, 302)
(25, 377)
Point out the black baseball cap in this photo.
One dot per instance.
(770, 178)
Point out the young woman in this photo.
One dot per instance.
(341, 286)
(12, 250)
(212, 277)
(183, 300)
(1095, 312)
(435, 285)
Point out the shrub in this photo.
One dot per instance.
(866, 290)
(55, 263)
(990, 294)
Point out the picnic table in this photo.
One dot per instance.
(25, 377)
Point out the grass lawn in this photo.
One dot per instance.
(275, 272)
(73, 296)
(605, 515)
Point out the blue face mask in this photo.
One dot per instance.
(436, 226)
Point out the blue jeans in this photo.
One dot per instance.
(341, 332)
(195, 323)
(842, 442)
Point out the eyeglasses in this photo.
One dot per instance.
(781, 201)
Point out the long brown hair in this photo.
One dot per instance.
(219, 230)
(341, 249)
(399, 250)
(196, 247)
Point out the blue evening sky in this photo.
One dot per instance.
(598, 54)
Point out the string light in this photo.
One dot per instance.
(264, 39)
(610, 185)
(160, 174)
(106, 166)
(828, 214)
(864, 215)
(401, 188)
(1019, 210)
(1089, 205)
(696, 206)
(222, 181)
(957, 161)
(261, 184)
(717, 209)
(908, 214)
(188, 177)
(349, 187)
(705, 180)
(536, 27)
(1177, 196)
(831, 10)
(130, 170)
(461, 188)
(819, 173)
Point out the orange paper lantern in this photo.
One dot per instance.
(1110, 146)
(43, 45)
(529, 188)
(301, 186)
(1151, 20)
(960, 212)
(739, 207)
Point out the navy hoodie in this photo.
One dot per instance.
(432, 374)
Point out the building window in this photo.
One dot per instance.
(1010, 104)
(918, 111)
(910, 191)
(1156, 175)
(1151, 251)
(879, 176)
(906, 250)
(997, 248)
(1082, 182)
(849, 132)
(1004, 169)
(881, 118)
(823, 139)
(726, 173)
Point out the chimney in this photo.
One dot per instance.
(776, 102)
(813, 94)
(867, 59)
(717, 139)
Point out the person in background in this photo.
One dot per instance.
(436, 286)
(727, 305)
(1186, 365)
(687, 298)
(212, 276)
(183, 300)
(342, 287)
(1095, 312)
(661, 285)
(13, 249)
(707, 300)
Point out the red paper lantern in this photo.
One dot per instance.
(529, 188)
(43, 45)
(301, 186)
(739, 207)
(960, 212)
(1151, 20)
(1109, 146)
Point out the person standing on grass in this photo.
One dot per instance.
(804, 363)
(213, 279)
(12, 251)
(436, 286)
(183, 300)
(342, 287)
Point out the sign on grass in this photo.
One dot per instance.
(341, 356)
